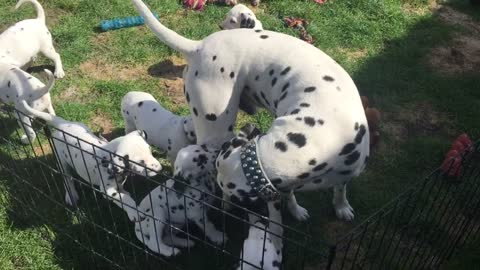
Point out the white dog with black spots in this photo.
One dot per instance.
(319, 138)
(20, 43)
(165, 130)
(100, 163)
(16, 86)
(181, 201)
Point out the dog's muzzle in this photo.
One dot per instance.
(253, 171)
(247, 23)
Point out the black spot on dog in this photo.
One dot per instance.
(29, 78)
(295, 111)
(276, 181)
(9, 83)
(196, 73)
(154, 110)
(271, 72)
(283, 96)
(297, 138)
(263, 36)
(361, 132)
(320, 167)
(230, 128)
(347, 172)
(238, 142)
(320, 122)
(310, 121)
(264, 98)
(225, 146)
(303, 175)
(214, 58)
(257, 77)
(357, 125)
(310, 89)
(195, 111)
(312, 162)
(339, 89)
(277, 205)
(328, 78)
(227, 154)
(274, 81)
(140, 104)
(317, 181)
(352, 158)
(285, 86)
(232, 74)
(281, 146)
(285, 71)
(222, 69)
(188, 97)
(231, 185)
(305, 105)
(258, 30)
(275, 103)
(299, 118)
(211, 117)
(180, 207)
(257, 98)
(347, 149)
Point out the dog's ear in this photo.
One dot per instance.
(126, 161)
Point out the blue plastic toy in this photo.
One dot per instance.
(125, 22)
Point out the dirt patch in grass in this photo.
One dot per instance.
(353, 54)
(419, 119)
(100, 69)
(54, 15)
(462, 54)
(419, 9)
(170, 73)
(102, 124)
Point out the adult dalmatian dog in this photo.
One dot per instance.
(100, 163)
(20, 44)
(16, 86)
(165, 130)
(177, 203)
(319, 138)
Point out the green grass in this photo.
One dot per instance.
(382, 44)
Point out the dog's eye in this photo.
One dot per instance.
(232, 21)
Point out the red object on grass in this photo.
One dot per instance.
(320, 1)
(194, 4)
(452, 165)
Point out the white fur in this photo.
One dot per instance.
(165, 130)
(15, 86)
(20, 44)
(100, 163)
(178, 203)
(319, 117)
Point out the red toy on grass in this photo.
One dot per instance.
(452, 165)
(194, 4)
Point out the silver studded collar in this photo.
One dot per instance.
(253, 171)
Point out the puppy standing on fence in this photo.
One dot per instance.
(100, 163)
(20, 44)
(16, 86)
(320, 136)
(179, 202)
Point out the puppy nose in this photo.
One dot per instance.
(116, 169)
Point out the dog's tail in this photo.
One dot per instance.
(49, 118)
(38, 7)
(169, 37)
(44, 90)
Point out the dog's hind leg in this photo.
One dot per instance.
(176, 241)
(25, 122)
(159, 246)
(340, 203)
(210, 231)
(295, 209)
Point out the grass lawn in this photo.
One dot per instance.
(416, 61)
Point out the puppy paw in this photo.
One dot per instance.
(169, 251)
(71, 198)
(135, 216)
(300, 213)
(24, 139)
(59, 73)
(218, 237)
(344, 211)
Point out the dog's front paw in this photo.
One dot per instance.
(59, 73)
(344, 211)
(300, 213)
(169, 251)
(217, 237)
(71, 198)
(135, 216)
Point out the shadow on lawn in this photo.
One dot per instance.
(395, 79)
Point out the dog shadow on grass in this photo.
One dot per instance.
(166, 70)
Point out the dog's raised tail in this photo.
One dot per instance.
(49, 118)
(38, 7)
(170, 38)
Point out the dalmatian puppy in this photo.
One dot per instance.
(103, 164)
(179, 202)
(17, 85)
(241, 16)
(259, 250)
(319, 138)
(165, 130)
(20, 44)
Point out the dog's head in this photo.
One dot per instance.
(134, 153)
(194, 162)
(241, 16)
(189, 129)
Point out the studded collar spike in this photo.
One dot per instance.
(253, 171)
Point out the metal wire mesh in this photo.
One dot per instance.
(421, 228)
